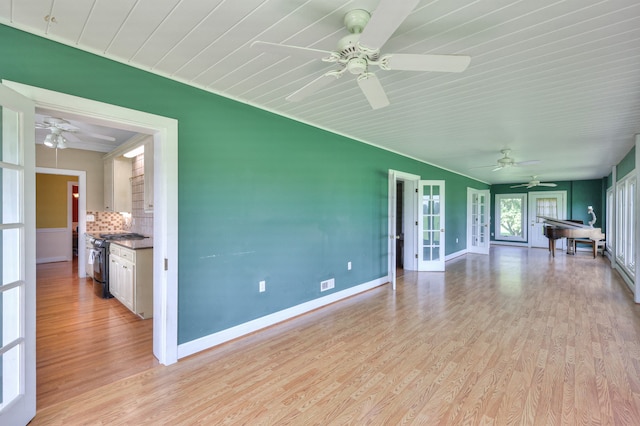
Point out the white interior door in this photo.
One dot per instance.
(545, 203)
(17, 265)
(431, 225)
(478, 219)
(393, 197)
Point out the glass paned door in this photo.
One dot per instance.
(478, 221)
(431, 225)
(17, 259)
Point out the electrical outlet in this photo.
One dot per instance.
(456, 241)
(263, 286)
(91, 218)
(348, 266)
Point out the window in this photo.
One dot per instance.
(625, 224)
(609, 225)
(510, 217)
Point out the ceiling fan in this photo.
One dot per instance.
(534, 182)
(507, 161)
(360, 50)
(61, 130)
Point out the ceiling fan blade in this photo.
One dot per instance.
(372, 89)
(385, 21)
(498, 168)
(313, 86)
(521, 185)
(99, 136)
(286, 50)
(72, 137)
(438, 63)
(527, 163)
(548, 184)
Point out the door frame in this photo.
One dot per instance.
(409, 216)
(165, 223)
(18, 378)
(562, 213)
(470, 247)
(432, 265)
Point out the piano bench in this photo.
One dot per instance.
(595, 245)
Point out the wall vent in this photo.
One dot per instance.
(327, 285)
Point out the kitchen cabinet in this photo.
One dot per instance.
(131, 278)
(117, 184)
(148, 176)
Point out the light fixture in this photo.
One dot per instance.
(48, 141)
(134, 152)
(55, 139)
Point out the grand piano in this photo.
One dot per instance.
(556, 228)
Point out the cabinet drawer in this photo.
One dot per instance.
(114, 249)
(128, 254)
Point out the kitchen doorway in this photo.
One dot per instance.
(165, 142)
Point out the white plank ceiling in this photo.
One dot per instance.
(555, 81)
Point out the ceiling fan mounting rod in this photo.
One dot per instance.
(355, 20)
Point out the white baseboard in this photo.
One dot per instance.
(456, 254)
(52, 259)
(206, 342)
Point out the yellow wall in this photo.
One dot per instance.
(51, 200)
(77, 159)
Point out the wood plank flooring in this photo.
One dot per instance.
(516, 337)
(83, 341)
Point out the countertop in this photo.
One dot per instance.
(147, 243)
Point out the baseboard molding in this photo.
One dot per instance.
(215, 339)
(456, 254)
(52, 259)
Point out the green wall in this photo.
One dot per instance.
(261, 197)
(627, 165)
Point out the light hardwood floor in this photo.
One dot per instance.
(512, 338)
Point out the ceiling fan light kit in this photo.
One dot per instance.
(55, 139)
(360, 49)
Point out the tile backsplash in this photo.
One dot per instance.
(105, 221)
(138, 221)
(141, 221)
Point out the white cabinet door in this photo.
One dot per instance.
(127, 284)
(17, 257)
(114, 282)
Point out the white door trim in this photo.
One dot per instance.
(532, 222)
(18, 347)
(471, 247)
(439, 264)
(394, 177)
(165, 224)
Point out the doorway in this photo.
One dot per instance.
(165, 225)
(478, 221)
(550, 204)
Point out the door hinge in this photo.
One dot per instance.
(416, 223)
(166, 264)
(416, 190)
(416, 255)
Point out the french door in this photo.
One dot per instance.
(431, 225)
(478, 220)
(17, 260)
